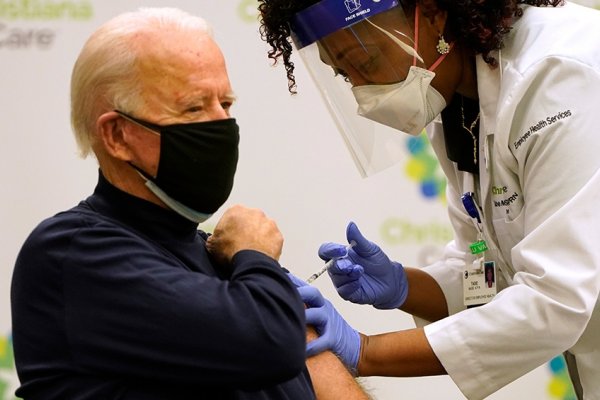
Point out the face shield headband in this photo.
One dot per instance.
(327, 16)
(354, 44)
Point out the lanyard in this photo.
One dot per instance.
(474, 211)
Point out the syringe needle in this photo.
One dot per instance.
(328, 264)
(320, 272)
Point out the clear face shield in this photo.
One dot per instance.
(363, 56)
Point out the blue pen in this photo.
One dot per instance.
(468, 201)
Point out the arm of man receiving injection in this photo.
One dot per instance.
(331, 379)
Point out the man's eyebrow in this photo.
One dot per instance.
(231, 96)
(194, 100)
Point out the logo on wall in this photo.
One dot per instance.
(8, 378)
(424, 168)
(397, 231)
(248, 10)
(19, 29)
(560, 386)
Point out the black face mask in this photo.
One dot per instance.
(197, 162)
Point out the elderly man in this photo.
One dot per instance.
(121, 297)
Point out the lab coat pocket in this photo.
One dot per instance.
(508, 234)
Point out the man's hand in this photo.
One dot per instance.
(243, 228)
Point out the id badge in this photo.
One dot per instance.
(479, 282)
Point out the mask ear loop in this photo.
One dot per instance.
(144, 124)
(416, 34)
(440, 58)
(152, 128)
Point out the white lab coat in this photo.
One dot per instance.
(539, 187)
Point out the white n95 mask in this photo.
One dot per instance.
(408, 106)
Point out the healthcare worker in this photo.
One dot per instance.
(510, 93)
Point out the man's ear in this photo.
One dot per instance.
(110, 128)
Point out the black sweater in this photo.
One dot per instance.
(117, 298)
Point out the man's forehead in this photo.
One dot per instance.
(177, 56)
(172, 42)
(189, 73)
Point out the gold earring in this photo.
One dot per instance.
(442, 46)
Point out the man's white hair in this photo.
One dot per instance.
(105, 72)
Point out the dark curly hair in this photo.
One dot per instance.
(478, 24)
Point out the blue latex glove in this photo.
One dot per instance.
(364, 274)
(334, 332)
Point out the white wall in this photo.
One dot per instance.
(293, 164)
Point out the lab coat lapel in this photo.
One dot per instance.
(488, 86)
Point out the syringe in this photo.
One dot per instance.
(328, 264)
